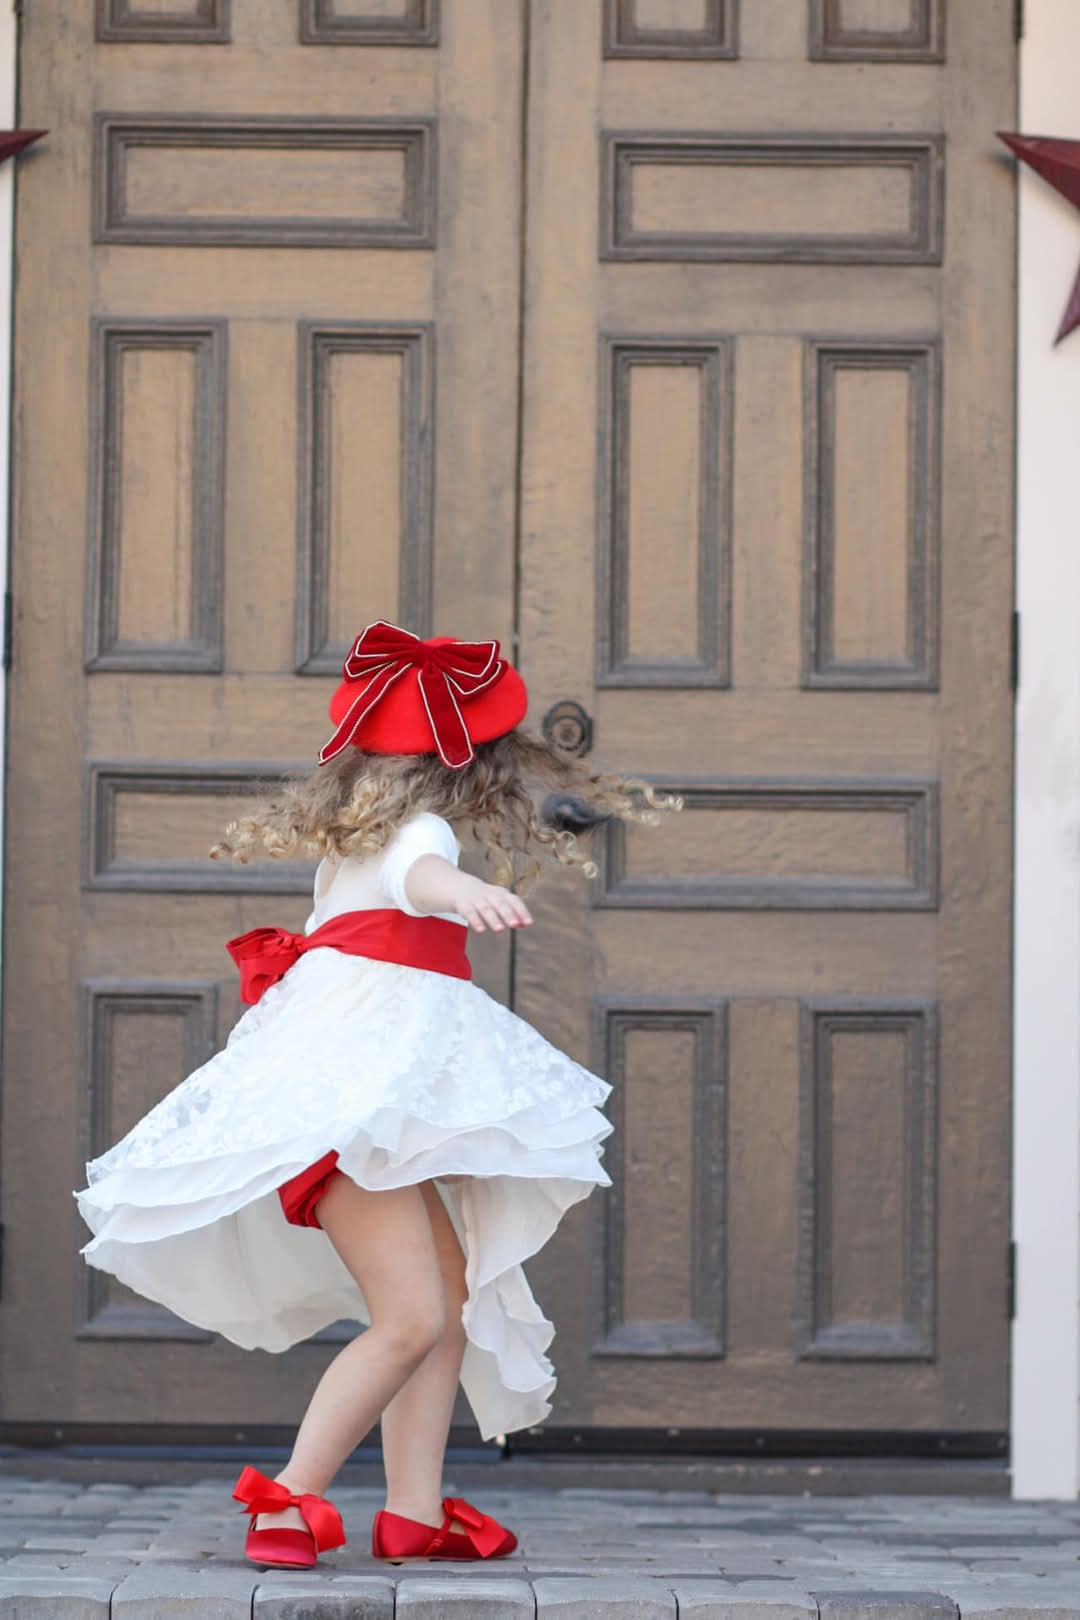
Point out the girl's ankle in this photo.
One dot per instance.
(421, 1512)
(296, 1486)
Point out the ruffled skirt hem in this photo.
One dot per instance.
(210, 1241)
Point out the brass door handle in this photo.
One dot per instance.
(571, 814)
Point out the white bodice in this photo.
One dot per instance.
(355, 883)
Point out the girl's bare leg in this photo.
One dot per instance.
(416, 1422)
(386, 1241)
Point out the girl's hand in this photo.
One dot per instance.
(488, 905)
(433, 883)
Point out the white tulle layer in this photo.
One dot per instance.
(410, 1076)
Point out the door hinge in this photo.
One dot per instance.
(1012, 1283)
(1, 1259)
(9, 620)
(1014, 653)
(1018, 19)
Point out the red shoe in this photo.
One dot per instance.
(286, 1549)
(400, 1539)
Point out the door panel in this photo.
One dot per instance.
(265, 310)
(768, 319)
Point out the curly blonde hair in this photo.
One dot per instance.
(354, 804)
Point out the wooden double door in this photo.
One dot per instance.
(671, 342)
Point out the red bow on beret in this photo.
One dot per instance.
(448, 670)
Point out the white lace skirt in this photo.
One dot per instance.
(410, 1075)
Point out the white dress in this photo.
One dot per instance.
(410, 1075)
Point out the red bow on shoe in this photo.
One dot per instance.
(262, 1495)
(263, 955)
(396, 1538)
(448, 670)
(485, 1533)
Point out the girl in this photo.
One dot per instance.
(379, 1139)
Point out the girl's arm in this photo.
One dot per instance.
(433, 883)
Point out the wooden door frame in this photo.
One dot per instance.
(8, 105)
(1046, 1222)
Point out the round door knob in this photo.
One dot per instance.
(568, 728)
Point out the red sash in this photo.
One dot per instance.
(265, 955)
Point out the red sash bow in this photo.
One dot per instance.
(265, 955)
(449, 670)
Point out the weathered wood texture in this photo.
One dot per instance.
(226, 448)
(790, 421)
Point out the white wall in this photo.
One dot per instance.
(1046, 1220)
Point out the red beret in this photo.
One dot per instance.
(401, 695)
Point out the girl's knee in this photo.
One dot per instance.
(413, 1328)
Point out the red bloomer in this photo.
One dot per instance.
(301, 1193)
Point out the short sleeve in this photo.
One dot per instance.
(424, 834)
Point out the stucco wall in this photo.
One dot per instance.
(1046, 1340)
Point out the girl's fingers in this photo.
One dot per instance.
(497, 909)
(511, 910)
